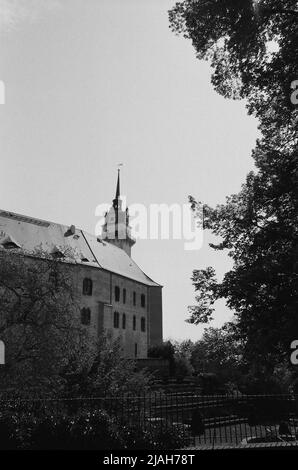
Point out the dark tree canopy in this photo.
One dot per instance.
(39, 323)
(259, 226)
(252, 46)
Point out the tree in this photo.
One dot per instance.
(39, 322)
(182, 356)
(219, 351)
(107, 373)
(252, 48)
(166, 351)
(258, 226)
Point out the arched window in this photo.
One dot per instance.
(87, 286)
(116, 319)
(143, 301)
(117, 294)
(124, 296)
(123, 321)
(134, 323)
(134, 298)
(143, 324)
(85, 316)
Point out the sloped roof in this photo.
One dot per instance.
(31, 234)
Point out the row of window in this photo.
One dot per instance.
(134, 322)
(88, 286)
(86, 319)
(134, 297)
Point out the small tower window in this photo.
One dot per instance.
(143, 301)
(134, 323)
(117, 293)
(116, 319)
(85, 316)
(124, 296)
(87, 286)
(123, 321)
(143, 324)
(136, 349)
(134, 298)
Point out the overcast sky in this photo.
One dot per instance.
(91, 83)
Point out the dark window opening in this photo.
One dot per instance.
(143, 324)
(123, 321)
(134, 298)
(87, 286)
(143, 300)
(136, 349)
(85, 316)
(117, 293)
(116, 320)
(124, 296)
(134, 323)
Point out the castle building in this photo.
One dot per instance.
(115, 295)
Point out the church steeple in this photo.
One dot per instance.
(116, 229)
(117, 196)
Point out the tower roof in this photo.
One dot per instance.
(118, 185)
(116, 201)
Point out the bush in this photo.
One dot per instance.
(155, 437)
(87, 430)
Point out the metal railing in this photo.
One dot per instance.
(205, 420)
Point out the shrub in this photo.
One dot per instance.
(155, 437)
(85, 430)
(89, 430)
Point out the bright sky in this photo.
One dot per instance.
(91, 83)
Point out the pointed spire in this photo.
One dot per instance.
(118, 185)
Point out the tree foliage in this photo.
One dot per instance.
(219, 351)
(252, 49)
(107, 373)
(39, 322)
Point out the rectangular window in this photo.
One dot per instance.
(136, 349)
(124, 296)
(134, 298)
(85, 316)
(117, 293)
(134, 323)
(143, 301)
(143, 324)
(123, 321)
(87, 286)
(116, 319)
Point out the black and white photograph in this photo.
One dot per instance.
(148, 230)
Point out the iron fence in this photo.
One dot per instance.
(205, 420)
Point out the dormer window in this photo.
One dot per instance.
(9, 243)
(57, 253)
